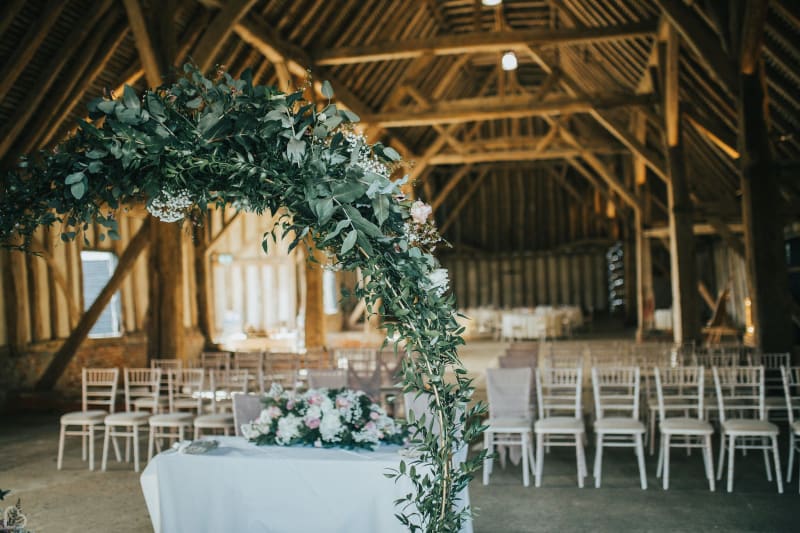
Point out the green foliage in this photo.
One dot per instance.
(225, 141)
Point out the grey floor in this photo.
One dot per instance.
(76, 500)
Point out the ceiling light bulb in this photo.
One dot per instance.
(509, 61)
(491, 3)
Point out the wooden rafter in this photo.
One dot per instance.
(481, 109)
(464, 199)
(218, 31)
(148, 55)
(479, 42)
(451, 184)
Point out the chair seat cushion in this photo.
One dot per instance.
(748, 426)
(171, 420)
(618, 424)
(127, 419)
(508, 425)
(775, 402)
(559, 424)
(218, 420)
(686, 426)
(84, 417)
(186, 402)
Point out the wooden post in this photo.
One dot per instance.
(685, 322)
(767, 273)
(645, 297)
(165, 332)
(64, 354)
(314, 308)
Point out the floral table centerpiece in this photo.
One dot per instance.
(342, 418)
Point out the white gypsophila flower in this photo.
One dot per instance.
(330, 427)
(249, 431)
(288, 429)
(420, 212)
(437, 281)
(170, 206)
(275, 390)
(366, 161)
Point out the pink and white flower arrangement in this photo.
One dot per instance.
(323, 418)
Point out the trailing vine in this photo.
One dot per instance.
(200, 142)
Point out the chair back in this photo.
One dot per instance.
(722, 358)
(616, 389)
(680, 389)
(611, 356)
(790, 375)
(99, 388)
(327, 379)
(215, 360)
(142, 383)
(252, 361)
(166, 364)
(223, 384)
(564, 359)
(509, 392)
(187, 384)
(246, 408)
(772, 363)
(560, 390)
(281, 368)
(363, 369)
(740, 388)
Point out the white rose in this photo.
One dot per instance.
(420, 211)
(249, 431)
(437, 281)
(288, 428)
(330, 427)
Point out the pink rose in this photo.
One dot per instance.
(290, 405)
(374, 416)
(342, 402)
(315, 399)
(420, 212)
(312, 423)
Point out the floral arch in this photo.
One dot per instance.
(220, 141)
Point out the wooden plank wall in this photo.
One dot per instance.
(527, 280)
(261, 289)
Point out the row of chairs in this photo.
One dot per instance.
(740, 398)
(169, 402)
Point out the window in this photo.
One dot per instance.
(97, 270)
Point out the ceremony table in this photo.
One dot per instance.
(243, 487)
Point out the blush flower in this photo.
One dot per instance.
(420, 212)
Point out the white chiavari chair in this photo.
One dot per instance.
(224, 383)
(559, 394)
(142, 391)
(327, 379)
(172, 425)
(740, 390)
(509, 422)
(616, 399)
(215, 360)
(363, 369)
(281, 368)
(187, 390)
(681, 389)
(774, 400)
(790, 375)
(98, 398)
(253, 362)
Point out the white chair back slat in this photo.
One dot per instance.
(99, 388)
(363, 369)
(215, 360)
(559, 390)
(680, 389)
(740, 389)
(223, 384)
(509, 391)
(166, 364)
(144, 384)
(790, 377)
(616, 389)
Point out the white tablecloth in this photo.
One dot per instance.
(246, 488)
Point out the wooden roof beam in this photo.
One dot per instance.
(470, 110)
(218, 31)
(702, 41)
(454, 180)
(153, 68)
(504, 155)
(478, 42)
(650, 158)
(464, 200)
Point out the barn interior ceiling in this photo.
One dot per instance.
(566, 147)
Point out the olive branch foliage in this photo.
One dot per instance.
(224, 141)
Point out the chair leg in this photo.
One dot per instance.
(598, 461)
(540, 455)
(196, 433)
(127, 449)
(777, 460)
(150, 442)
(62, 437)
(117, 453)
(791, 457)
(721, 458)
(487, 462)
(526, 475)
(83, 443)
(660, 464)
(106, 436)
(665, 451)
(136, 448)
(731, 455)
(91, 447)
(708, 460)
(581, 460)
(640, 457)
(652, 434)
(765, 444)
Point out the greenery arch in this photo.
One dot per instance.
(201, 142)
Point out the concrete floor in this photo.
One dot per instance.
(78, 500)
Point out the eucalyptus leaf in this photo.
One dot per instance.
(78, 189)
(327, 89)
(349, 242)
